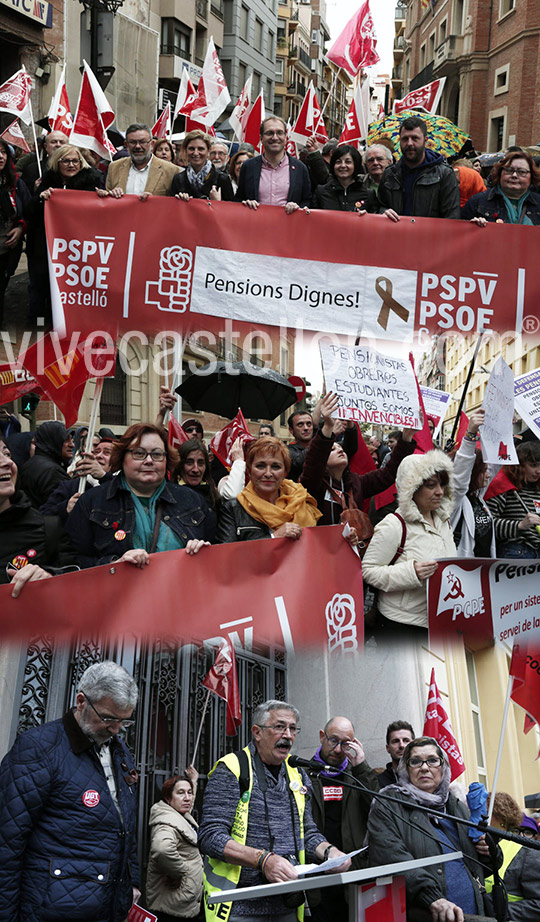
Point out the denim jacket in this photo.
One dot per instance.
(102, 523)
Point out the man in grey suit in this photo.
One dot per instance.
(141, 173)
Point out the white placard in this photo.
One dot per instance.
(371, 387)
(496, 435)
(436, 405)
(527, 399)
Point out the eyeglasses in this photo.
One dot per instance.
(510, 169)
(432, 762)
(272, 134)
(139, 454)
(281, 728)
(527, 833)
(193, 429)
(70, 162)
(337, 744)
(108, 718)
(138, 143)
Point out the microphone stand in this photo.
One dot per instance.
(500, 902)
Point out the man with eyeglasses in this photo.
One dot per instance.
(141, 173)
(341, 812)
(275, 177)
(257, 824)
(68, 810)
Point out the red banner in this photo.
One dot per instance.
(295, 593)
(437, 725)
(484, 600)
(425, 97)
(163, 264)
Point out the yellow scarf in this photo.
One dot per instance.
(294, 504)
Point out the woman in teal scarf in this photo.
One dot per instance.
(139, 512)
(512, 198)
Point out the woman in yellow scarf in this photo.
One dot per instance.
(270, 505)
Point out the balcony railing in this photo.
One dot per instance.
(216, 7)
(201, 8)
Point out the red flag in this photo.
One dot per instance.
(223, 440)
(15, 96)
(528, 723)
(310, 121)
(355, 47)
(423, 438)
(162, 128)
(425, 97)
(357, 120)
(62, 367)
(240, 113)
(15, 382)
(525, 668)
(462, 429)
(291, 146)
(13, 135)
(212, 94)
(252, 131)
(362, 462)
(59, 114)
(177, 435)
(438, 726)
(93, 117)
(223, 681)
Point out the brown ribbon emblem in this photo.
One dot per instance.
(389, 303)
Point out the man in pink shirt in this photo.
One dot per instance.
(274, 178)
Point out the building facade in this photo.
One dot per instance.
(489, 51)
(249, 47)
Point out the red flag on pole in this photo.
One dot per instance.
(177, 435)
(438, 726)
(223, 440)
(93, 117)
(15, 382)
(252, 127)
(355, 47)
(15, 96)
(62, 367)
(162, 128)
(223, 681)
(212, 94)
(425, 97)
(357, 120)
(59, 114)
(240, 113)
(13, 135)
(310, 121)
(525, 668)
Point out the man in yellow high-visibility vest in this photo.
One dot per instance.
(257, 824)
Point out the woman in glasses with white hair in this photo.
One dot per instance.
(399, 832)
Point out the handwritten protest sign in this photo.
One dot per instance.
(371, 387)
(496, 435)
(527, 399)
(436, 405)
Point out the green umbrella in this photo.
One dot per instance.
(443, 136)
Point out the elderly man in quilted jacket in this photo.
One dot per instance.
(68, 810)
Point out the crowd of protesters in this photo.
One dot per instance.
(414, 181)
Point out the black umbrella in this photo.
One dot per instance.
(224, 387)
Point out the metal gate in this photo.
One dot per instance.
(171, 699)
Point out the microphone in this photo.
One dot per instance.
(297, 762)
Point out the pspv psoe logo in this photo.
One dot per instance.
(341, 623)
(172, 291)
(460, 595)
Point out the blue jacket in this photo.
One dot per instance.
(105, 513)
(299, 184)
(64, 855)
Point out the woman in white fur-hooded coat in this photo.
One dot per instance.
(425, 501)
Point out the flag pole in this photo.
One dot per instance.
(499, 752)
(197, 741)
(331, 90)
(466, 385)
(35, 137)
(92, 426)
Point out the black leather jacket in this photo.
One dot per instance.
(235, 524)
